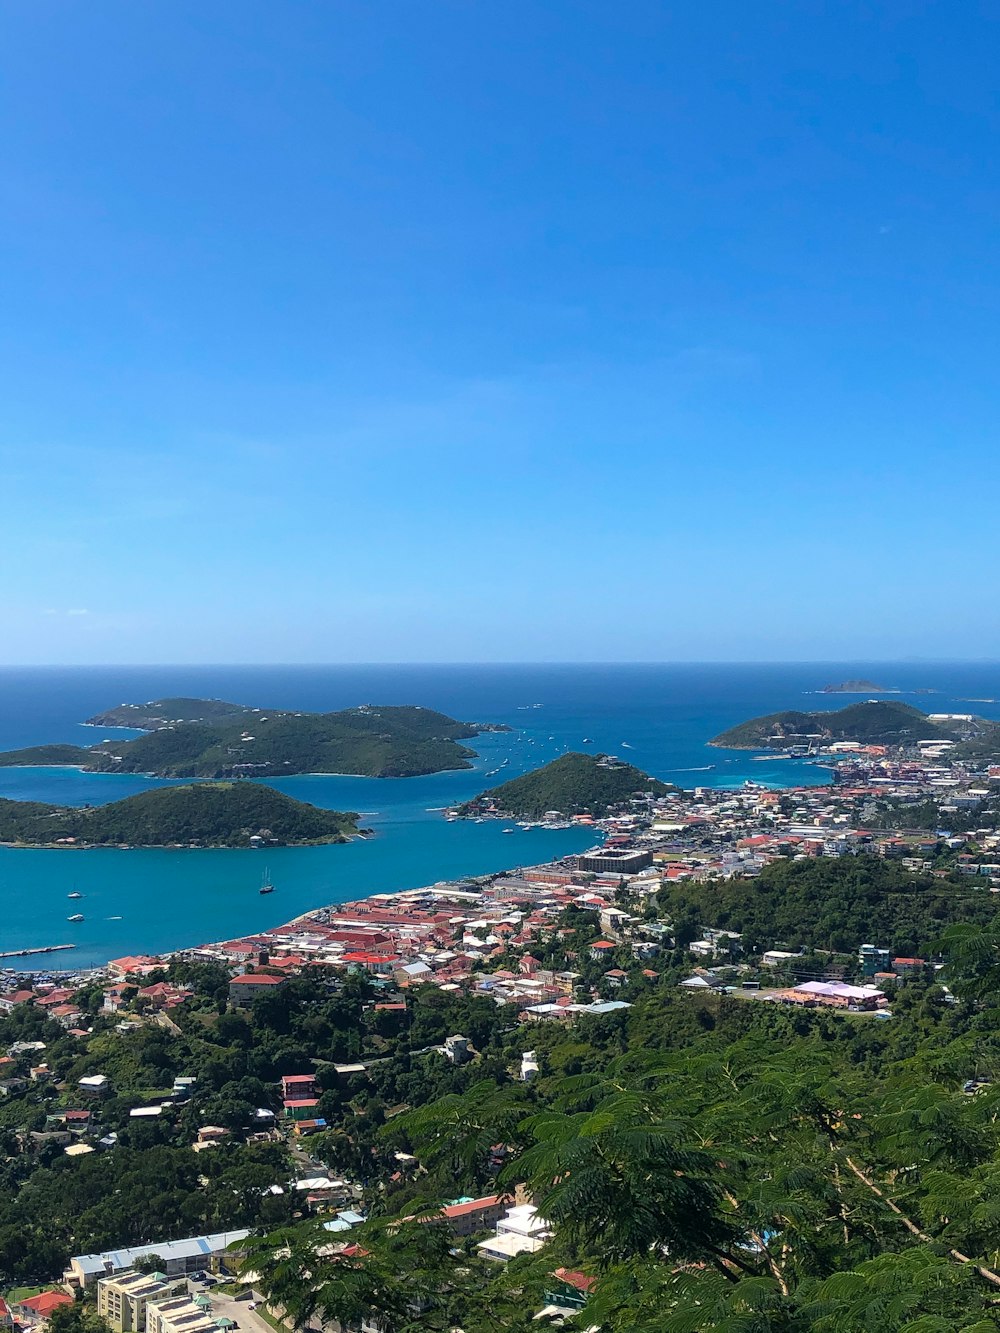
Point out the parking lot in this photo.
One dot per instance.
(225, 1306)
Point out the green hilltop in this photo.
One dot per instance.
(207, 814)
(874, 722)
(572, 784)
(208, 738)
(168, 712)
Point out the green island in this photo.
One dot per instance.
(208, 738)
(874, 722)
(573, 784)
(204, 814)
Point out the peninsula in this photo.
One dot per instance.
(875, 722)
(203, 814)
(209, 738)
(573, 784)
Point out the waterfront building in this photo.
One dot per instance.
(623, 862)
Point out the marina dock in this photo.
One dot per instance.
(45, 948)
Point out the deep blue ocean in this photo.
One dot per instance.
(659, 717)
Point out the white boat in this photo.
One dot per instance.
(74, 894)
(77, 917)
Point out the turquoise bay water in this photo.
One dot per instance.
(657, 717)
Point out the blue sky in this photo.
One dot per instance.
(542, 330)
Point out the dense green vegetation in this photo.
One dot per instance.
(166, 712)
(712, 1164)
(827, 903)
(208, 814)
(222, 740)
(151, 1185)
(55, 756)
(572, 784)
(874, 722)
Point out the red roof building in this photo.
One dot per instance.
(138, 964)
(36, 1308)
(244, 989)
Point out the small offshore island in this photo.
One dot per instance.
(856, 687)
(204, 814)
(574, 784)
(210, 738)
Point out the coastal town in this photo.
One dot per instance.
(450, 935)
(548, 947)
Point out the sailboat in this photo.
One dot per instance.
(74, 894)
(265, 882)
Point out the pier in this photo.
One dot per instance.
(45, 948)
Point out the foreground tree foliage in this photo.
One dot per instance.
(761, 1172)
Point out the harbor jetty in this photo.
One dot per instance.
(45, 948)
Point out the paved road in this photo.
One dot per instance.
(226, 1307)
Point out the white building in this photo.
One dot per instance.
(520, 1231)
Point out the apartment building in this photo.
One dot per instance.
(121, 1299)
(178, 1314)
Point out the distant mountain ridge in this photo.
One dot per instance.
(211, 738)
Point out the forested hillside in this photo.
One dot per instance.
(827, 903)
(571, 784)
(208, 814)
(874, 722)
(213, 739)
